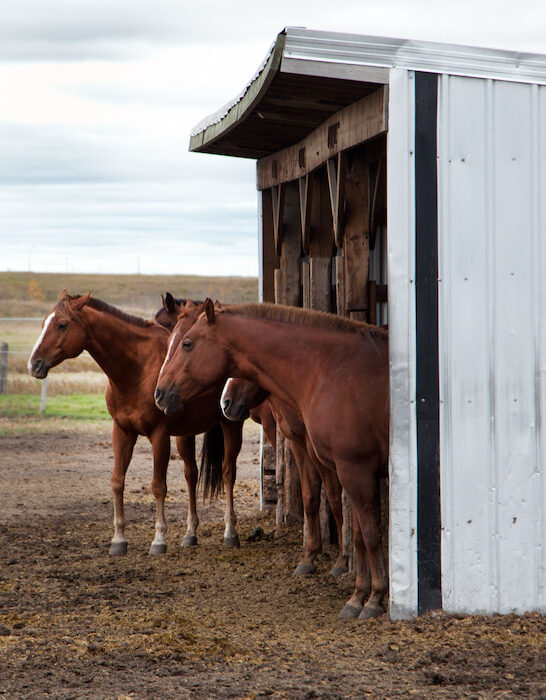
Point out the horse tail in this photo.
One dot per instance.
(212, 456)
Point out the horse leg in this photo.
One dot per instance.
(122, 444)
(332, 488)
(161, 448)
(233, 439)
(361, 483)
(310, 493)
(186, 449)
(353, 607)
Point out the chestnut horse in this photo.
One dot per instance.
(239, 398)
(245, 399)
(332, 371)
(130, 350)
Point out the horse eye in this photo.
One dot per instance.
(62, 326)
(187, 344)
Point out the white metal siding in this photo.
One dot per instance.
(492, 154)
(401, 261)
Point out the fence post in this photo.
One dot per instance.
(4, 369)
(43, 397)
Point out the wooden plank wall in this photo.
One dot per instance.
(318, 231)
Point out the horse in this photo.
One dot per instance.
(238, 401)
(332, 371)
(130, 350)
(249, 400)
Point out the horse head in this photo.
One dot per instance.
(172, 307)
(62, 336)
(194, 360)
(239, 397)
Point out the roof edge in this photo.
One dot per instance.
(223, 120)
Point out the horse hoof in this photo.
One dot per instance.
(158, 548)
(189, 541)
(337, 571)
(369, 611)
(304, 569)
(349, 612)
(117, 549)
(232, 541)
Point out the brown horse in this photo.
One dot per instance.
(238, 401)
(130, 350)
(332, 371)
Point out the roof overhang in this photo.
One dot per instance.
(308, 76)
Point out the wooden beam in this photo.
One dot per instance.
(336, 168)
(291, 246)
(277, 197)
(306, 194)
(270, 259)
(356, 243)
(361, 121)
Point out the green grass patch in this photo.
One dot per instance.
(73, 407)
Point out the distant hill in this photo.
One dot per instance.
(33, 293)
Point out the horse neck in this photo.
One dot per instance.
(116, 345)
(254, 346)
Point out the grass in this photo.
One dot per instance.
(34, 293)
(74, 407)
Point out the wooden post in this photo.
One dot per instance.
(270, 259)
(356, 242)
(43, 396)
(280, 473)
(4, 369)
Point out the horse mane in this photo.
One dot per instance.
(100, 305)
(307, 317)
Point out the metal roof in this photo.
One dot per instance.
(309, 75)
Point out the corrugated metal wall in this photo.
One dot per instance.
(492, 293)
(401, 262)
(492, 308)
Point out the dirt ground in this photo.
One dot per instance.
(206, 622)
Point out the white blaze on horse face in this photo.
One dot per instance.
(224, 392)
(169, 350)
(40, 338)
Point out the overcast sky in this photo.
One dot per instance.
(98, 99)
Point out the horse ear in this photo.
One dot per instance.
(209, 310)
(189, 304)
(218, 306)
(62, 295)
(169, 302)
(80, 302)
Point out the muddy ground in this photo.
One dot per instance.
(206, 622)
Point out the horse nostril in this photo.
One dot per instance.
(226, 403)
(159, 394)
(172, 397)
(37, 365)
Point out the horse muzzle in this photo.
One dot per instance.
(234, 411)
(167, 401)
(39, 368)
